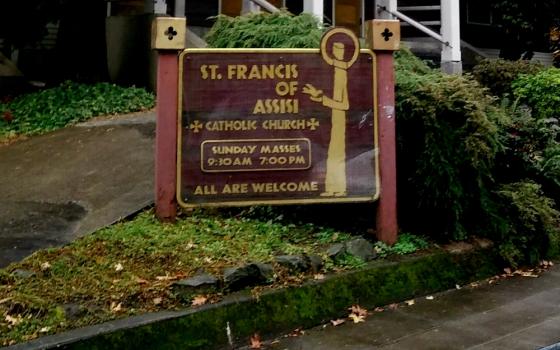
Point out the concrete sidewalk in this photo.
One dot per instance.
(68, 183)
(516, 313)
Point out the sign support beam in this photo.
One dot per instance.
(168, 38)
(383, 36)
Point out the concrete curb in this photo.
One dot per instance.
(278, 311)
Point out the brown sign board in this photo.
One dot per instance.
(278, 126)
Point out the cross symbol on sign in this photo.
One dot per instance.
(170, 32)
(312, 124)
(196, 126)
(387, 34)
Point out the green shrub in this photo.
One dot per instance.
(68, 103)
(532, 150)
(498, 74)
(528, 223)
(263, 30)
(448, 138)
(541, 92)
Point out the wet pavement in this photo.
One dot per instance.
(65, 184)
(515, 313)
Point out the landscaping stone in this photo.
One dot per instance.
(360, 248)
(316, 263)
(201, 283)
(73, 311)
(293, 262)
(336, 251)
(20, 273)
(236, 278)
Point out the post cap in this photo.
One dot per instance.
(169, 33)
(383, 34)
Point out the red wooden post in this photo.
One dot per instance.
(168, 37)
(166, 136)
(387, 226)
(384, 38)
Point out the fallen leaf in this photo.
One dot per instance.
(119, 267)
(379, 309)
(410, 302)
(157, 301)
(199, 300)
(207, 260)
(357, 318)
(528, 274)
(507, 270)
(255, 341)
(319, 276)
(296, 333)
(393, 306)
(457, 286)
(13, 321)
(44, 329)
(430, 297)
(116, 307)
(356, 309)
(45, 266)
(337, 322)
(165, 278)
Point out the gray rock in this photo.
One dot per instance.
(236, 278)
(361, 248)
(73, 311)
(20, 273)
(336, 250)
(201, 283)
(293, 262)
(315, 263)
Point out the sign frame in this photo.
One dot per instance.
(256, 201)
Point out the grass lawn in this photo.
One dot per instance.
(128, 268)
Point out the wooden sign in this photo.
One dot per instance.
(278, 126)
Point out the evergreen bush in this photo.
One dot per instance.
(541, 92)
(498, 74)
(263, 30)
(448, 138)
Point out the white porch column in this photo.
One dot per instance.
(390, 5)
(451, 33)
(155, 6)
(314, 7)
(249, 6)
(179, 10)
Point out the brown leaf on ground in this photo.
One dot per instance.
(45, 266)
(297, 332)
(357, 318)
(337, 322)
(141, 281)
(199, 300)
(357, 314)
(255, 342)
(358, 310)
(13, 321)
(319, 276)
(116, 307)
